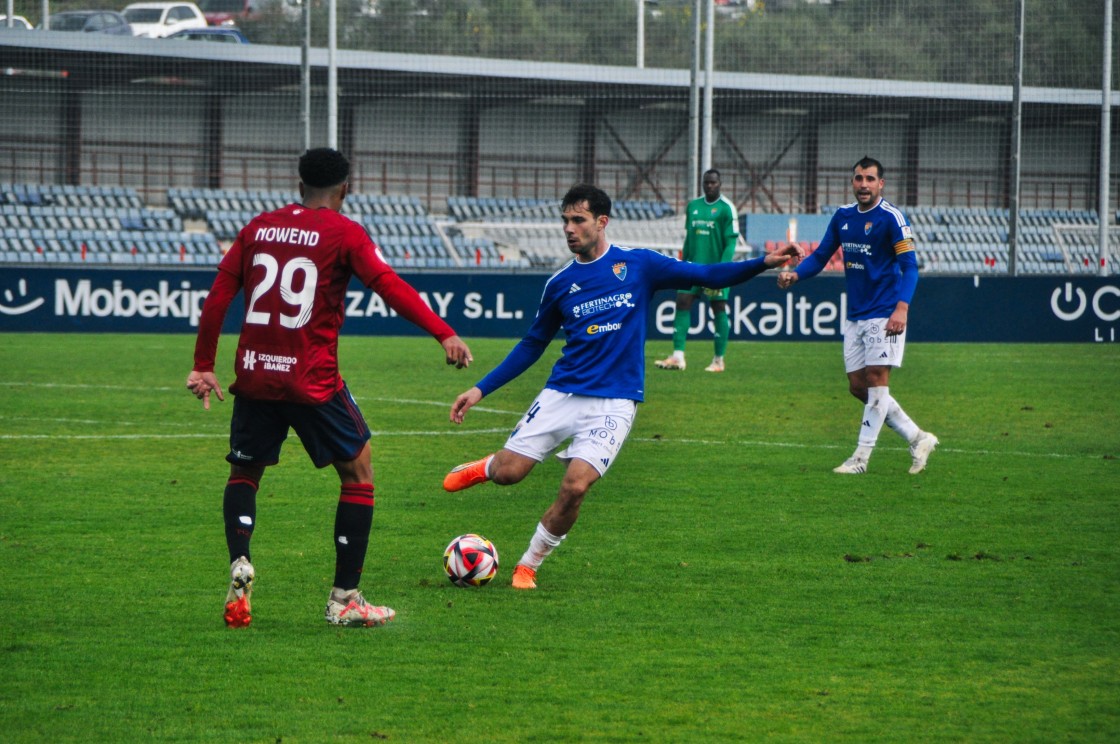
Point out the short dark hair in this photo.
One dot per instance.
(323, 167)
(598, 203)
(866, 162)
(714, 172)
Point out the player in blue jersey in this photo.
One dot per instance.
(600, 301)
(881, 274)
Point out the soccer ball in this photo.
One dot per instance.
(470, 560)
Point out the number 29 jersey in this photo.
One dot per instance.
(294, 265)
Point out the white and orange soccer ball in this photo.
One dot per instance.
(470, 560)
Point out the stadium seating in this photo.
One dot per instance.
(63, 224)
(962, 240)
(41, 195)
(82, 246)
(525, 233)
(408, 236)
(500, 209)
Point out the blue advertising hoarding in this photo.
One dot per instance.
(476, 304)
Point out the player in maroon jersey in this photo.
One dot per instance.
(293, 266)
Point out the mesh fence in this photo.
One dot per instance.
(439, 99)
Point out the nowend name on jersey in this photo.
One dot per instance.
(289, 235)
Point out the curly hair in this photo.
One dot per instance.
(323, 167)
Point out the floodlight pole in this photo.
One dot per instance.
(694, 106)
(10, 21)
(332, 75)
(305, 77)
(1016, 143)
(641, 34)
(1106, 137)
(709, 83)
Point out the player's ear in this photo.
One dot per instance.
(344, 190)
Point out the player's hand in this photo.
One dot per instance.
(896, 324)
(201, 383)
(457, 352)
(785, 254)
(787, 279)
(463, 404)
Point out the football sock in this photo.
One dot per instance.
(352, 521)
(874, 414)
(239, 509)
(681, 322)
(898, 421)
(540, 546)
(723, 327)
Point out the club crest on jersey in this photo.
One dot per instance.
(867, 228)
(619, 270)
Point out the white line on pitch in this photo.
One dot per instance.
(505, 430)
(359, 398)
(480, 409)
(798, 445)
(451, 432)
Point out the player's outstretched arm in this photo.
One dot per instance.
(790, 252)
(457, 352)
(463, 404)
(201, 383)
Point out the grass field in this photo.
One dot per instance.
(722, 584)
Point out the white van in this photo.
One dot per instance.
(157, 20)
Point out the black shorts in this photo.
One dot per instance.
(332, 432)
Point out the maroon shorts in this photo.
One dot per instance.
(334, 431)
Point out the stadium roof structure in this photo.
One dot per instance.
(87, 62)
(795, 109)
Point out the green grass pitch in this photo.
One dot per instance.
(722, 584)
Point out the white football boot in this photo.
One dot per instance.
(920, 451)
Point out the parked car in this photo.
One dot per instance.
(226, 34)
(229, 12)
(17, 22)
(90, 22)
(160, 19)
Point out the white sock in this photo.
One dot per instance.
(874, 414)
(540, 546)
(678, 355)
(901, 423)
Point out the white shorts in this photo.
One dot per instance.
(866, 345)
(596, 426)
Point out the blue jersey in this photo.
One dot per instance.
(880, 267)
(602, 306)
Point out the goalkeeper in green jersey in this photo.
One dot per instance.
(711, 232)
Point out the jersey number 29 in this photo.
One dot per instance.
(303, 299)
